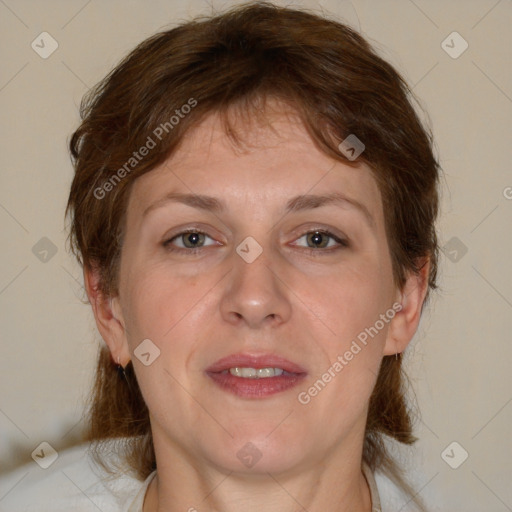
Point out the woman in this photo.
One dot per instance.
(254, 207)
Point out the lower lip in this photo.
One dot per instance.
(255, 388)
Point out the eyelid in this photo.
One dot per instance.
(341, 240)
(168, 239)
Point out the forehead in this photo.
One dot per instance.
(276, 160)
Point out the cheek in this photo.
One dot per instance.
(349, 306)
(154, 299)
(165, 307)
(350, 300)
(352, 349)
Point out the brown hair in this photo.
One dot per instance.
(232, 63)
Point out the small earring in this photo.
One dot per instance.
(120, 370)
(122, 375)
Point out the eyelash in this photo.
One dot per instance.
(342, 242)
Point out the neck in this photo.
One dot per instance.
(334, 483)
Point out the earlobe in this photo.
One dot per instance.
(109, 322)
(405, 323)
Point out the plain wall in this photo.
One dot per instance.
(459, 361)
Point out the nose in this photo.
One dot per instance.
(255, 293)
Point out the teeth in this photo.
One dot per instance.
(253, 373)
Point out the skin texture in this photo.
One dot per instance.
(307, 307)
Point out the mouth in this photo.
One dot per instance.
(255, 376)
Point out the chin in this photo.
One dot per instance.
(259, 453)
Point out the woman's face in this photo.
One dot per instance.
(253, 283)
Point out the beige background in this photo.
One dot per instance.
(459, 362)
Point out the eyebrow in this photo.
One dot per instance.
(295, 204)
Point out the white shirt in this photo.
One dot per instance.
(75, 483)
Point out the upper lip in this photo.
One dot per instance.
(242, 360)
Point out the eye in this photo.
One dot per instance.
(319, 239)
(191, 241)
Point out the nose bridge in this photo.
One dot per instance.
(255, 294)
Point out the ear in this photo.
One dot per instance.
(405, 323)
(108, 316)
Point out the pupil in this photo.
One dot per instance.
(317, 238)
